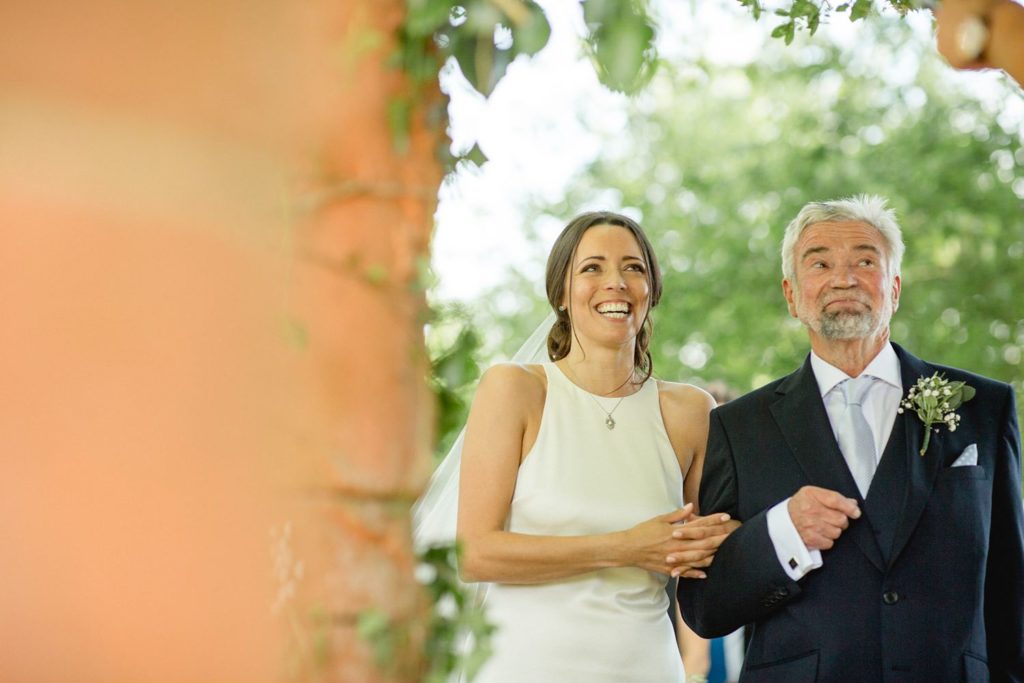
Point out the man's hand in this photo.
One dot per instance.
(820, 515)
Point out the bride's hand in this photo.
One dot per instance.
(648, 544)
(698, 541)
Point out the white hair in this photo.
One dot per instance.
(864, 208)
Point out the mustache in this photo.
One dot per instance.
(848, 296)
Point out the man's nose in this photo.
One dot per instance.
(843, 276)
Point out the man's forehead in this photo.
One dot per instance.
(848, 234)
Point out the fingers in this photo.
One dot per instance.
(688, 573)
(692, 573)
(813, 501)
(821, 515)
(696, 558)
(716, 518)
(691, 570)
(702, 527)
(836, 501)
(680, 515)
(832, 500)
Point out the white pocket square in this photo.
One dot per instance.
(968, 457)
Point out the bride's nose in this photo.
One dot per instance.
(615, 281)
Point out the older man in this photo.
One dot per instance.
(860, 558)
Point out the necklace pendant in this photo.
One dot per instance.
(609, 423)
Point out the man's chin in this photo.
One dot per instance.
(846, 327)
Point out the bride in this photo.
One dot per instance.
(573, 475)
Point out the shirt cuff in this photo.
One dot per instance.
(794, 556)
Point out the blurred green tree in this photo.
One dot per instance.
(716, 161)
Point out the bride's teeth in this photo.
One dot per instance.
(615, 310)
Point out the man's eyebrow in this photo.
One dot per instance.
(860, 247)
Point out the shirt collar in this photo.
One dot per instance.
(885, 366)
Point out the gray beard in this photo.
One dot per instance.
(843, 325)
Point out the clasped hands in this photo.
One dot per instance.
(679, 543)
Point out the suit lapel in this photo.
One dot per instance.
(801, 417)
(921, 470)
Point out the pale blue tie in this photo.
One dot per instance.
(855, 438)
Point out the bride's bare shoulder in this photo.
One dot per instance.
(682, 400)
(516, 381)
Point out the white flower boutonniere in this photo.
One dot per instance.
(935, 399)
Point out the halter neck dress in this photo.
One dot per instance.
(580, 478)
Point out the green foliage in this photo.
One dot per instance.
(717, 160)
(376, 628)
(808, 14)
(621, 43)
(296, 333)
(485, 36)
(935, 400)
(457, 619)
(458, 634)
(453, 344)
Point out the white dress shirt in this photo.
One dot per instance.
(879, 406)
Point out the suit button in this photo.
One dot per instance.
(890, 597)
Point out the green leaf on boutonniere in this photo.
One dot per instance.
(935, 400)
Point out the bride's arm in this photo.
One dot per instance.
(685, 410)
(508, 404)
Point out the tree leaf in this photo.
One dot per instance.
(813, 21)
(860, 9)
(623, 51)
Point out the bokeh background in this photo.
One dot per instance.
(734, 133)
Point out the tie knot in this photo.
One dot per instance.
(854, 389)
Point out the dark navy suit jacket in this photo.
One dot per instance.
(928, 585)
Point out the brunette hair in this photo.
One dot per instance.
(560, 262)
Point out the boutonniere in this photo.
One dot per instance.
(935, 399)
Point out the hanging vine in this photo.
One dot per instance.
(484, 37)
(808, 14)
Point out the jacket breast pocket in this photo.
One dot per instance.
(800, 669)
(962, 472)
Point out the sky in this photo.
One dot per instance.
(548, 118)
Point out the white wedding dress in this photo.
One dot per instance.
(605, 626)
